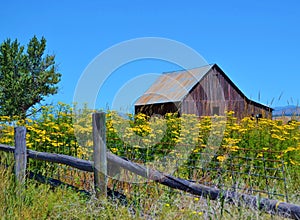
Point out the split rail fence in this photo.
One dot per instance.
(103, 159)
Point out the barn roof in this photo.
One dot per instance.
(174, 86)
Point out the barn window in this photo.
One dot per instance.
(216, 110)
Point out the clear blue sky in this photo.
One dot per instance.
(255, 42)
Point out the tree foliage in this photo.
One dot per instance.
(27, 76)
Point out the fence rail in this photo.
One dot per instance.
(267, 205)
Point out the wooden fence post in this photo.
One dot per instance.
(20, 154)
(100, 160)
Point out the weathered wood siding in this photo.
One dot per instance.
(160, 109)
(214, 94)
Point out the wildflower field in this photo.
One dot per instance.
(185, 146)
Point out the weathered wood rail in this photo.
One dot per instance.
(84, 165)
(274, 207)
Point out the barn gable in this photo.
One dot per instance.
(202, 91)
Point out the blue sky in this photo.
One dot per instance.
(256, 43)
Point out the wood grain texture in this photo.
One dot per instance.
(20, 154)
(100, 161)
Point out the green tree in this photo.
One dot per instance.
(26, 77)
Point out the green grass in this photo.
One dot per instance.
(38, 201)
(149, 201)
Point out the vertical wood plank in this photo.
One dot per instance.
(20, 154)
(100, 160)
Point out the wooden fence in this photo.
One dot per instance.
(103, 158)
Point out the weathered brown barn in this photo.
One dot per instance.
(205, 90)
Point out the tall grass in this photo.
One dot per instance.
(42, 202)
(39, 201)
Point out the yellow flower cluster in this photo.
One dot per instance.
(63, 129)
(49, 130)
(225, 133)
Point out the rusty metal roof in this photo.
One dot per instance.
(173, 86)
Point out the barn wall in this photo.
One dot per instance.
(215, 94)
(254, 110)
(160, 109)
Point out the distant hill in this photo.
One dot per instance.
(289, 110)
